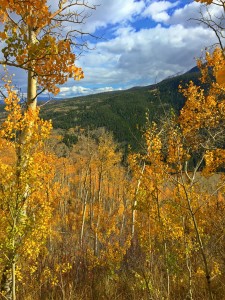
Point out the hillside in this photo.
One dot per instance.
(121, 112)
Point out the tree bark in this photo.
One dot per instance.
(32, 80)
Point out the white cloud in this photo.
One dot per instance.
(145, 56)
(185, 14)
(190, 14)
(67, 92)
(157, 10)
(111, 13)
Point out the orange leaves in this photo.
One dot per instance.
(219, 66)
(35, 13)
(216, 60)
(199, 110)
(4, 5)
(176, 153)
(7, 152)
(3, 35)
(17, 120)
(75, 72)
(12, 123)
(213, 160)
(203, 113)
(52, 61)
(154, 144)
(220, 76)
(33, 44)
(56, 64)
(205, 1)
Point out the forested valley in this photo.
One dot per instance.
(83, 215)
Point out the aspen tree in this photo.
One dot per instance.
(34, 39)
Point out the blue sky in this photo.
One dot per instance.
(143, 42)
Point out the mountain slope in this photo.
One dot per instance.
(122, 112)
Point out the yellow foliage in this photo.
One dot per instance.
(27, 173)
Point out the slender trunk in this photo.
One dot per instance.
(134, 211)
(167, 270)
(123, 216)
(6, 283)
(32, 91)
(188, 263)
(147, 281)
(62, 286)
(198, 236)
(14, 280)
(8, 280)
(84, 198)
(32, 80)
(98, 217)
(83, 218)
(165, 251)
(202, 250)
